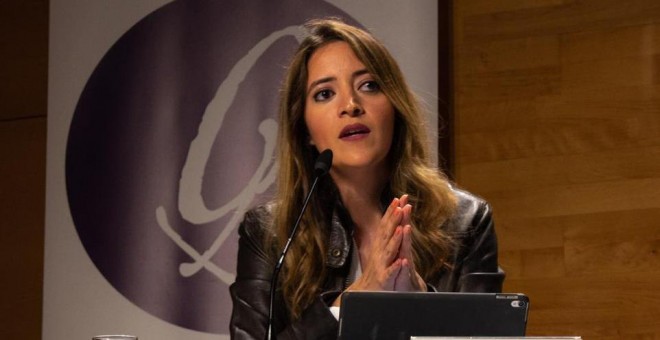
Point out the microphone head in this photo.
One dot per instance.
(323, 163)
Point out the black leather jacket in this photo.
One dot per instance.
(474, 259)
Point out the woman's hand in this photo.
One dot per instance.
(382, 264)
(389, 265)
(408, 279)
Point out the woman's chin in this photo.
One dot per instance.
(359, 165)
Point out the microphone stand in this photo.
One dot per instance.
(321, 167)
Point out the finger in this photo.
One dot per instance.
(405, 270)
(406, 214)
(391, 219)
(393, 272)
(391, 208)
(403, 203)
(408, 280)
(402, 282)
(403, 200)
(405, 251)
(393, 246)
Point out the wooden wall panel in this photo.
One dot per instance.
(557, 125)
(23, 86)
(23, 58)
(23, 157)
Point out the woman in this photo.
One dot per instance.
(383, 220)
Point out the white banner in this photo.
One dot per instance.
(160, 136)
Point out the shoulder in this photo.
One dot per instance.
(260, 214)
(256, 222)
(471, 213)
(254, 240)
(475, 267)
(255, 255)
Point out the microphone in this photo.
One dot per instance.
(321, 167)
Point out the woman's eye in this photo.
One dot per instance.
(370, 86)
(323, 95)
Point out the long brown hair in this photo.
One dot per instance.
(304, 270)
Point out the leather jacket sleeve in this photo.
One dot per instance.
(250, 295)
(475, 268)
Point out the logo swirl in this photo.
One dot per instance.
(172, 140)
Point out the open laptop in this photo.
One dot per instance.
(398, 315)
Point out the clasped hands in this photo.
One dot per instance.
(388, 264)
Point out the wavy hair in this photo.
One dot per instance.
(304, 270)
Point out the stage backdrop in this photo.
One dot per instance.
(161, 134)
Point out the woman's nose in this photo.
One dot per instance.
(352, 107)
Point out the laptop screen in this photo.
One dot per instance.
(398, 315)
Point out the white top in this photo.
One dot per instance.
(354, 272)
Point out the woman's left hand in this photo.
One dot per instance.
(408, 279)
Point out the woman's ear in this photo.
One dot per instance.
(311, 141)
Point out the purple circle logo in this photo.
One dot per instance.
(172, 141)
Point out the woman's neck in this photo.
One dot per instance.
(361, 193)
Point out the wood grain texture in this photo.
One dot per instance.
(23, 87)
(23, 173)
(557, 125)
(24, 56)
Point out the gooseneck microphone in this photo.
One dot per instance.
(321, 167)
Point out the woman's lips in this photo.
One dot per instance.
(354, 131)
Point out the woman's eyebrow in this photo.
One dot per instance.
(360, 72)
(320, 81)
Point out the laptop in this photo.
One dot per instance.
(399, 315)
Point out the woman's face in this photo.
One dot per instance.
(346, 111)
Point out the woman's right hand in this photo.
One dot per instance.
(382, 264)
